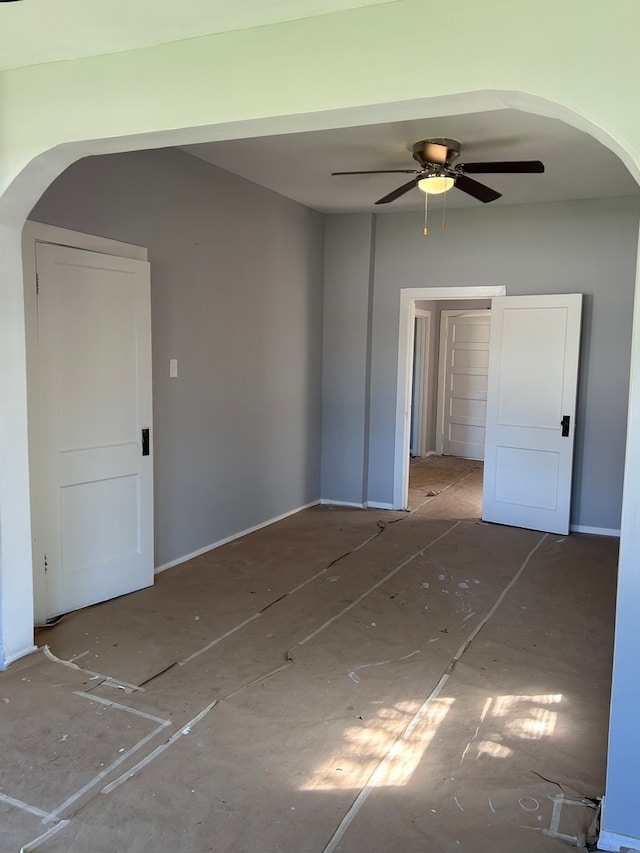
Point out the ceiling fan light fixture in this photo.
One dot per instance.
(436, 184)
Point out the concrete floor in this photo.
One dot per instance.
(342, 680)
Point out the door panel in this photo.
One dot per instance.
(533, 373)
(95, 378)
(98, 391)
(539, 336)
(464, 355)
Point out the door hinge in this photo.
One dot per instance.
(46, 564)
(37, 284)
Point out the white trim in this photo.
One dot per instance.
(13, 658)
(596, 531)
(408, 297)
(38, 232)
(232, 538)
(378, 505)
(613, 841)
(327, 502)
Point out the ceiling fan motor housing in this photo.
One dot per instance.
(438, 151)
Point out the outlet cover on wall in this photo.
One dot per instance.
(173, 368)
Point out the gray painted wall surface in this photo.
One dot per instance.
(236, 297)
(349, 244)
(587, 247)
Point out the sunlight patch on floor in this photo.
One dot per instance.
(377, 740)
(507, 719)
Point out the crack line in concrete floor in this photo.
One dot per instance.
(379, 771)
(129, 688)
(382, 525)
(398, 746)
(186, 729)
(219, 639)
(379, 584)
(105, 679)
(435, 494)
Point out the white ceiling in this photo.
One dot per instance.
(299, 165)
(36, 31)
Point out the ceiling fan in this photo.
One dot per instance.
(437, 174)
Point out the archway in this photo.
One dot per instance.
(15, 204)
(25, 191)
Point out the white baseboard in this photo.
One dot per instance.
(377, 505)
(231, 538)
(327, 502)
(13, 658)
(596, 531)
(615, 842)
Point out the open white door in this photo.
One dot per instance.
(95, 530)
(531, 402)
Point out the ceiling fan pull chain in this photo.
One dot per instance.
(425, 230)
(444, 211)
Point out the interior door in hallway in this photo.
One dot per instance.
(94, 532)
(463, 374)
(531, 404)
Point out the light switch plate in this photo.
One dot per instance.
(173, 368)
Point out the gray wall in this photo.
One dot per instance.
(585, 246)
(345, 386)
(236, 297)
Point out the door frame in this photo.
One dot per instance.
(408, 298)
(445, 315)
(34, 233)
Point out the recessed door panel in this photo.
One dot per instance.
(531, 386)
(98, 403)
(539, 489)
(99, 522)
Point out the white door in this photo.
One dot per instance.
(533, 373)
(95, 519)
(464, 370)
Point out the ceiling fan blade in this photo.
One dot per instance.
(476, 189)
(507, 167)
(381, 172)
(398, 192)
